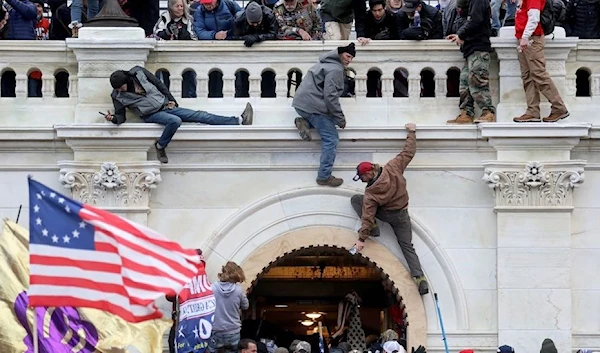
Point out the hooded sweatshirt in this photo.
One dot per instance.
(321, 88)
(548, 346)
(230, 299)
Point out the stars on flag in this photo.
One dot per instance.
(54, 239)
(66, 239)
(61, 200)
(75, 233)
(38, 221)
(45, 232)
(36, 209)
(82, 225)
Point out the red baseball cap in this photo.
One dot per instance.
(206, 1)
(361, 169)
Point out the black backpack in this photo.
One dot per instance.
(554, 12)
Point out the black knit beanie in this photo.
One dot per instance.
(350, 49)
(118, 79)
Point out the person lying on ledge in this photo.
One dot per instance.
(142, 92)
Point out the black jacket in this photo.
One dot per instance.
(583, 19)
(267, 30)
(477, 29)
(431, 24)
(386, 29)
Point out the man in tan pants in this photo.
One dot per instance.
(532, 60)
(338, 16)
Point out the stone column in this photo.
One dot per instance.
(110, 169)
(100, 51)
(533, 180)
(511, 102)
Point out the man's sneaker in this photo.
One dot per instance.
(462, 118)
(375, 231)
(247, 115)
(161, 154)
(303, 129)
(526, 118)
(422, 284)
(331, 181)
(554, 117)
(486, 117)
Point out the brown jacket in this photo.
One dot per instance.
(389, 189)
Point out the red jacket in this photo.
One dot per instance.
(521, 17)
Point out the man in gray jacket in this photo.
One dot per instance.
(139, 90)
(317, 101)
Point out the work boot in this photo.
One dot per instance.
(422, 284)
(527, 118)
(331, 181)
(247, 115)
(161, 154)
(486, 117)
(375, 231)
(462, 118)
(554, 117)
(303, 129)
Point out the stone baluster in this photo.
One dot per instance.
(48, 84)
(595, 83)
(21, 85)
(255, 90)
(387, 85)
(571, 85)
(414, 87)
(441, 88)
(281, 84)
(73, 82)
(228, 86)
(360, 81)
(175, 87)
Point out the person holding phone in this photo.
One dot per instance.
(149, 98)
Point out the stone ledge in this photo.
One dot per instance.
(531, 130)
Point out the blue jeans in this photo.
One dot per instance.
(511, 10)
(228, 341)
(172, 119)
(77, 8)
(329, 140)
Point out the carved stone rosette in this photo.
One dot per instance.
(536, 185)
(111, 185)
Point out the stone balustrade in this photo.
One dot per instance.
(395, 81)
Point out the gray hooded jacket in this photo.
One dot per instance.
(321, 88)
(230, 299)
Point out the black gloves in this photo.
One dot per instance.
(421, 349)
(251, 39)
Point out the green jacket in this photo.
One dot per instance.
(343, 11)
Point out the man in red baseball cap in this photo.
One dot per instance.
(386, 198)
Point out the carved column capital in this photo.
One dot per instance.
(534, 186)
(123, 187)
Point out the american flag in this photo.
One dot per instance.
(321, 343)
(81, 256)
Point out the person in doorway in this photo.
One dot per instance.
(386, 198)
(473, 37)
(142, 92)
(317, 101)
(230, 299)
(536, 79)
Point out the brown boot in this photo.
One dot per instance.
(462, 118)
(486, 117)
(303, 128)
(554, 117)
(331, 181)
(526, 118)
(75, 32)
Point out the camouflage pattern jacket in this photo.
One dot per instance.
(303, 17)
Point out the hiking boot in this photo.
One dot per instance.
(486, 117)
(554, 117)
(247, 115)
(526, 118)
(75, 32)
(331, 181)
(161, 154)
(422, 284)
(462, 118)
(303, 129)
(375, 231)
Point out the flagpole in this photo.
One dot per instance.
(35, 333)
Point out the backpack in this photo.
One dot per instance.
(554, 12)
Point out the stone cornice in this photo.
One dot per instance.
(531, 130)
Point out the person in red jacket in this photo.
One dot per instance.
(532, 60)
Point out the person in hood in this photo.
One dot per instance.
(386, 198)
(317, 101)
(548, 346)
(230, 299)
(139, 90)
(506, 349)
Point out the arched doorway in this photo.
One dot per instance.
(331, 237)
(302, 291)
